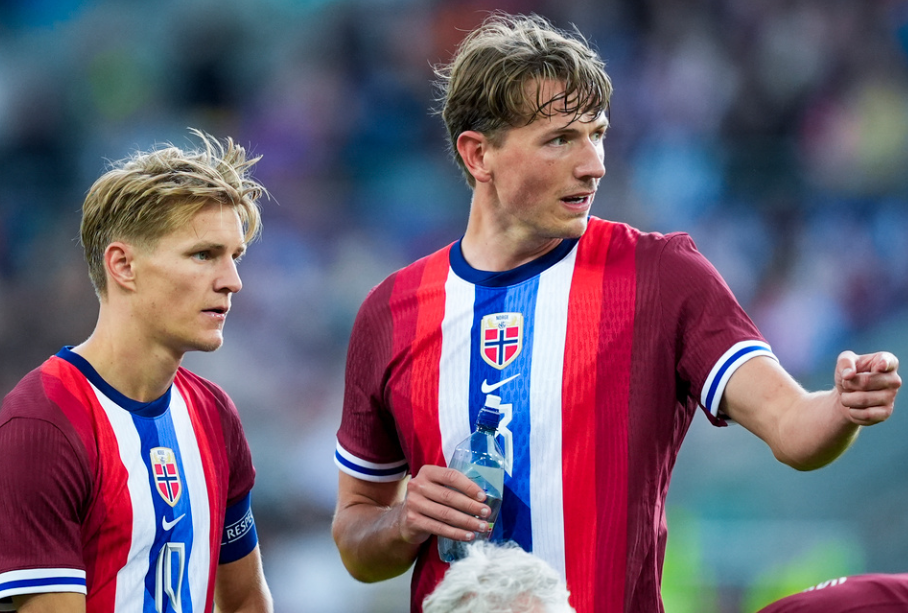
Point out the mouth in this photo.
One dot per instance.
(579, 200)
(222, 311)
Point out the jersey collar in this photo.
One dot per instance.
(154, 408)
(508, 277)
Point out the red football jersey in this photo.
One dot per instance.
(119, 500)
(597, 354)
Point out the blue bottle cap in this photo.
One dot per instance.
(488, 418)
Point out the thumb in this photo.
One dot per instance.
(846, 365)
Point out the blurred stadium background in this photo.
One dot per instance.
(774, 131)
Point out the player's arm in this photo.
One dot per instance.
(240, 586)
(809, 430)
(379, 526)
(57, 602)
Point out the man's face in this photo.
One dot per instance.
(545, 174)
(185, 281)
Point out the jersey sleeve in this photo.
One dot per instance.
(367, 443)
(44, 484)
(873, 593)
(239, 536)
(239, 455)
(713, 335)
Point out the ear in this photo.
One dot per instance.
(474, 148)
(119, 262)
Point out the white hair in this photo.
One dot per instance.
(499, 578)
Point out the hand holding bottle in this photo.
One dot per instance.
(480, 458)
(444, 502)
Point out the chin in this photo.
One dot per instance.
(208, 345)
(575, 228)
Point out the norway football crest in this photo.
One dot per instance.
(501, 338)
(166, 476)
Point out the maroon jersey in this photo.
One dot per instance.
(858, 594)
(597, 355)
(125, 502)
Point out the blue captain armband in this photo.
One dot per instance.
(239, 537)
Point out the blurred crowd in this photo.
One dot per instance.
(775, 132)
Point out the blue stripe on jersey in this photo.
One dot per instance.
(734, 360)
(42, 582)
(514, 522)
(398, 469)
(169, 556)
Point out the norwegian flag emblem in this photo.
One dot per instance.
(166, 475)
(501, 338)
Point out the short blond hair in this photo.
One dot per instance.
(149, 194)
(488, 85)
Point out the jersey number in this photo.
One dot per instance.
(171, 569)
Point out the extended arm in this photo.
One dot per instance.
(379, 527)
(240, 586)
(807, 430)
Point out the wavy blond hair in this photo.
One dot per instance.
(149, 194)
(494, 82)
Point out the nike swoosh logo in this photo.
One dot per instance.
(488, 389)
(167, 525)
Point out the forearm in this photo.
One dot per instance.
(814, 432)
(257, 602)
(240, 586)
(369, 540)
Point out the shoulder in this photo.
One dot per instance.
(200, 385)
(648, 249)
(404, 283)
(213, 407)
(51, 425)
(204, 392)
(623, 233)
(879, 593)
(30, 399)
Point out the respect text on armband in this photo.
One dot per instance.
(239, 528)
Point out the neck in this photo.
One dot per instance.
(499, 254)
(136, 369)
(494, 245)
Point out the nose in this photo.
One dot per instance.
(229, 281)
(591, 164)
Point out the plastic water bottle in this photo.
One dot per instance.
(479, 457)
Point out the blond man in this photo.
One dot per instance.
(127, 479)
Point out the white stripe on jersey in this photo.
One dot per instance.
(365, 470)
(200, 556)
(43, 579)
(454, 382)
(550, 328)
(721, 372)
(131, 578)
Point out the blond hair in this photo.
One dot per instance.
(149, 194)
(488, 85)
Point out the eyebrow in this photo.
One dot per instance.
(208, 246)
(571, 129)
